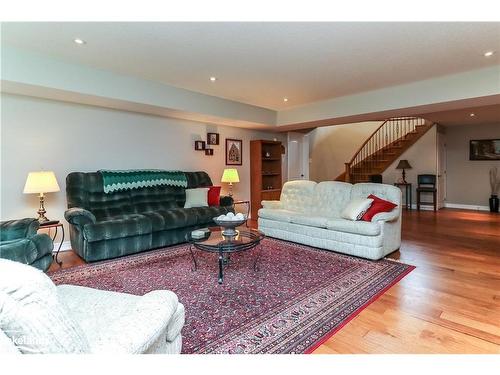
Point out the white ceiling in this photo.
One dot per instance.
(482, 116)
(260, 63)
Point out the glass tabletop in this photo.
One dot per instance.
(214, 241)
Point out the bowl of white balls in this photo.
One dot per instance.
(229, 222)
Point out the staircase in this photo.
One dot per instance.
(383, 147)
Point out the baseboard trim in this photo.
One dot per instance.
(66, 246)
(467, 206)
(423, 207)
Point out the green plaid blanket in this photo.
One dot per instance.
(138, 178)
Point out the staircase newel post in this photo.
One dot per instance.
(347, 172)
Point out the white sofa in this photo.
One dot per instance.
(309, 213)
(38, 317)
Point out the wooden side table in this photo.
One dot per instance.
(407, 187)
(56, 225)
(247, 202)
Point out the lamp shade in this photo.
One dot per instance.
(41, 182)
(403, 164)
(230, 175)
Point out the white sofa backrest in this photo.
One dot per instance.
(330, 198)
(298, 195)
(384, 191)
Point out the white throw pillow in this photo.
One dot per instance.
(196, 197)
(356, 208)
(32, 316)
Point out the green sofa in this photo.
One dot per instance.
(110, 225)
(20, 242)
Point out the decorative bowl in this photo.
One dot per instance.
(229, 226)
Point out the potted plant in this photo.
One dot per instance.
(495, 186)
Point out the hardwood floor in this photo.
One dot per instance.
(449, 304)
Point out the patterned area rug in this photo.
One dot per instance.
(296, 299)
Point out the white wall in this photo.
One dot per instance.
(332, 146)
(42, 134)
(468, 180)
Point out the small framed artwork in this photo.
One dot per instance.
(484, 149)
(234, 151)
(209, 151)
(212, 138)
(199, 145)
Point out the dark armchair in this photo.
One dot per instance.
(20, 242)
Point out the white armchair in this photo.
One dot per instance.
(38, 317)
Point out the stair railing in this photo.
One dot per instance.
(370, 154)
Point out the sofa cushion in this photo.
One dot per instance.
(205, 215)
(298, 195)
(356, 227)
(378, 206)
(117, 227)
(31, 314)
(197, 197)
(172, 219)
(214, 195)
(310, 220)
(383, 191)
(330, 197)
(356, 208)
(277, 214)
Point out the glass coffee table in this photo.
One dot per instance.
(215, 242)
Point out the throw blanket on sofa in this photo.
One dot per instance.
(138, 178)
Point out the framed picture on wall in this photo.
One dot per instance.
(484, 149)
(199, 145)
(212, 138)
(234, 151)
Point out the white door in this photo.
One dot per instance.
(298, 156)
(441, 170)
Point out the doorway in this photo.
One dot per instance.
(298, 156)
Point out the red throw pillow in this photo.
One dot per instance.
(214, 195)
(378, 205)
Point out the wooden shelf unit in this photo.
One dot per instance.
(265, 173)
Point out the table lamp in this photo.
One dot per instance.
(403, 164)
(230, 175)
(40, 183)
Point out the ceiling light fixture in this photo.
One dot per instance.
(213, 79)
(472, 114)
(79, 41)
(285, 99)
(489, 53)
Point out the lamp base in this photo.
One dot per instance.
(42, 219)
(41, 211)
(404, 177)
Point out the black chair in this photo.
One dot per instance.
(427, 184)
(376, 178)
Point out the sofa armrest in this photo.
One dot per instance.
(272, 204)
(386, 216)
(79, 216)
(226, 201)
(17, 229)
(134, 334)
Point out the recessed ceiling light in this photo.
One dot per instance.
(489, 53)
(213, 79)
(285, 99)
(79, 41)
(472, 114)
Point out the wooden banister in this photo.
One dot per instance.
(389, 133)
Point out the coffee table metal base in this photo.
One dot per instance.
(223, 260)
(248, 239)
